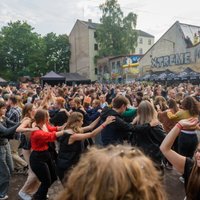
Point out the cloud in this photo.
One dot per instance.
(59, 16)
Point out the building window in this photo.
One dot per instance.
(96, 47)
(95, 71)
(118, 63)
(149, 41)
(95, 34)
(140, 51)
(140, 40)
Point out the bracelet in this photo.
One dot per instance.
(103, 126)
(179, 126)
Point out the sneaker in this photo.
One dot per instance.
(2, 197)
(182, 179)
(24, 196)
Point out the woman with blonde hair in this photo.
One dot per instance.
(150, 139)
(113, 173)
(71, 145)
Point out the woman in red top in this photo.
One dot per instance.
(40, 160)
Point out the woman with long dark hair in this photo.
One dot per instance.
(185, 165)
(40, 159)
(32, 183)
(187, 141)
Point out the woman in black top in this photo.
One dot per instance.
(185, 165)
(71, 145)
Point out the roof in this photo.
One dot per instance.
(53, 76)
(144, 34)
(91, 24)
(2, 80)
(74, 77)
(189, 31)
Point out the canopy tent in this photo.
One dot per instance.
(189, 74)
(3, 82)
(75, 78)
(52, 78)
(165, 75)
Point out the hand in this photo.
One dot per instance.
(154, 122)
(191, 123)
(110, 119)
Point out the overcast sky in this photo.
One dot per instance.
(59, 16)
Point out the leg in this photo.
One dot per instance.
(41, 169)
(5, 168)
(32, 183)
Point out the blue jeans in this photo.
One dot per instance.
(6, 167)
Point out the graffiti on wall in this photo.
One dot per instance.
(170, 60)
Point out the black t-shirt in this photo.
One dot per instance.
(187, 170)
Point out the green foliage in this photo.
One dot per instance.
(25, 53)
(116, 35)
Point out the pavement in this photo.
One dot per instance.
(174, 188)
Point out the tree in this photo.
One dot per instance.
(57, 52)
(116, 34)
(26, 53)
(20, 48)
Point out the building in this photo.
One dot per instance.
(118, 69)
(177, 49)
(144, 42)
(84, 48)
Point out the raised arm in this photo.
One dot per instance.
(6, 132)
(177, 160)
(91, 126)
(82, 136)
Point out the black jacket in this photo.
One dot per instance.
(149, 141)
(119, 130)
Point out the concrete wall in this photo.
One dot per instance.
(170, 52)
(79, 40)
(92, 53)
(145, 46)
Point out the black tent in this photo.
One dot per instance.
(188, 74)
(3, 82)
(52, 78)
(165, 75)
(75, 78)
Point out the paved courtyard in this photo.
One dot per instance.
(174, 188)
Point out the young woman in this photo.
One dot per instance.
(113, 173)
(185, 165)
(71, 145)
(6, 163)
(40, 159)
(187, 141)
(149, 140)
(32, 183)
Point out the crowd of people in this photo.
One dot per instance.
(95, 138)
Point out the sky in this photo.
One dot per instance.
(59, 16)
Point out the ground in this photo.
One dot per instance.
(174, 188)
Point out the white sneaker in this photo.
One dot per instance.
(182, 179)
(3, 197)
(24, 196)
